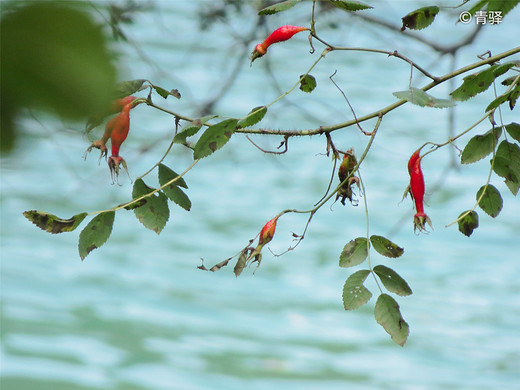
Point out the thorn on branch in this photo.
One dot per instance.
(285, 143)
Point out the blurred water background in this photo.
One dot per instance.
(137, 313)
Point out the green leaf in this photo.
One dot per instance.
(355, 294)
(188, 131)
(350, 5)
(278, 7)
(419, 97)
(504, 6)
(389, 316)
(385, 247)
(468, 223)
(392, 281)
(307, 83)
(475, 83)
(514, 130)
(491, 202)
(127, 88)
(215, 137)
(165, 93)
(53, 224)
(254, 116)
(420, 18)
(354, 253)
(507, 164)
(155, 212)
(166, 174)
(96, 233)
(480, 146)
(498, 101)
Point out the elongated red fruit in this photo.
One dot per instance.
(280, 34)
(417, 189)
(267, 232)
(121, 128)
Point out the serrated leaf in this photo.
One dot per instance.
(491, 202)
(514, 130)
(468, 223)
(480, 146)
(498, 101)
(53, 224)
(215, 137)
(385, 247)
(350, 5)
(388, 315)
(507, 164)
(176, 195)
(354, 253)
(278, 7)
(419, 97)
(392, 281)
(166, 174)
(355, 294)
(254, 116)
(127, 88)
(307, 83)
(155, 212)
(475, 84)
(96, 233)
(188, 131)
(504, 6)
(420, 18)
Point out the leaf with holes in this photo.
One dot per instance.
(354, 253)
(480, 146)
(419, 97)
(278, 7)
(420, 18)
(392, 281)
(254, 116)
(307, 83)
(354, 293)
(96, 233)
(215, 137)
(468, 223)
(350, 5)
(155, 212)
(53, 224)
(491, 202)
(388, 315)
(385, 247)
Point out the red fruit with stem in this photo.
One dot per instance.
(118, 104)
(117, 137)
(417, 189)
(280, 34)
(266, 235)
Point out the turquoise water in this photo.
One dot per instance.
(138, 314)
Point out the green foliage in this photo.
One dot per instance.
(385, 247)
(420, 18)
(350, 5)
(307, 83)
(504, 6)
(96, 233)
(514, 130)
(278, 7)
(468, 222)
(53, 224)
(58, 62)
(254, 116)
(172, 191)
(479, 82)
(190, 130)
(392, 281)
(491, 201)
(506, 164)
(127, 88)
(155, 212)
(389, 316)
(419, 97)
(480, 146)
(355, 294)
(215, 137)
(354, 253)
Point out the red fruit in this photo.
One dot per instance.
(417, 189)
(280, 34)
(118, 104)
(120, 129)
